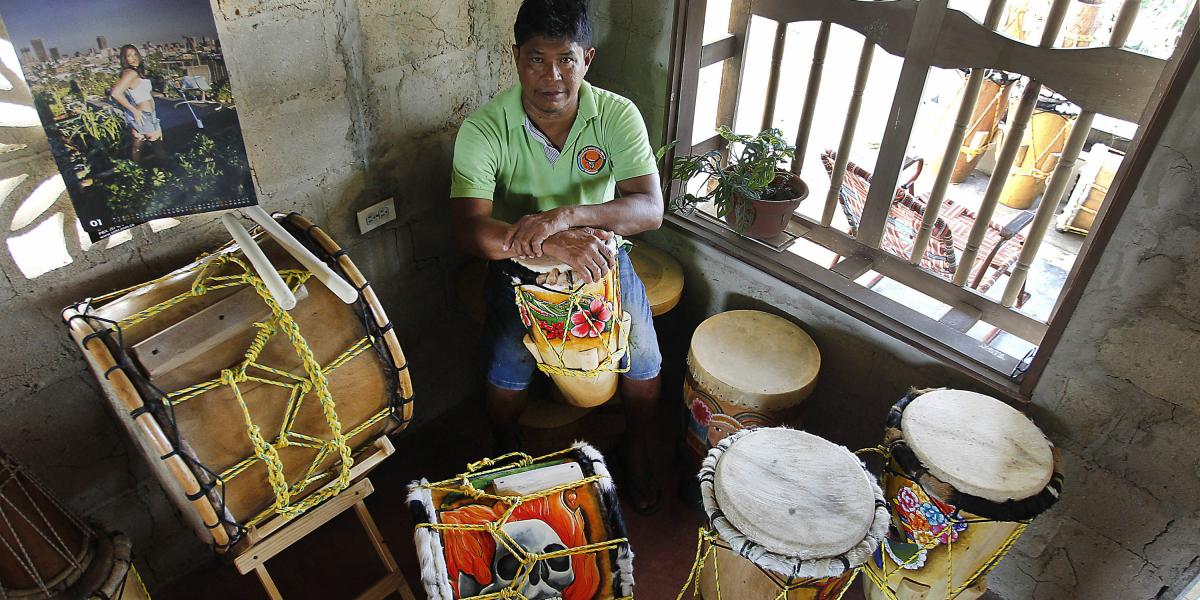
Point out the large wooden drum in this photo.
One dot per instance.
(967, 473)
(246, 411)
(793, 516)
(577, 332)
(46, 552)
(746, 368)
(984, 127)
(1045, 137)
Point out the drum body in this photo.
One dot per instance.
(1080, 212)
(561, 507)
(577, 332)
(1042, 146)
(733, 384)
(984, 126)
(46, 552)
(941, 535)
(793, 514)
(246, 411)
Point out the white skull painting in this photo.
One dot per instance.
(549, 578)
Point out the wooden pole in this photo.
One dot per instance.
(1008, 153)
(852, 110)
(810, 96)
(1062, 173)
(953, 145)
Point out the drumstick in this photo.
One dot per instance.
(332, 280)
(279, 290)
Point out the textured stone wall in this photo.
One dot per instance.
(342, 103)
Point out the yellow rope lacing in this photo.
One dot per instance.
(707, 542)
(464, 484)
(880, 580)
(570, 303)
(249, 370)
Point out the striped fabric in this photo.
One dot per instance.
(948, 237)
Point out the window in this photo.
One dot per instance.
(1018, 125)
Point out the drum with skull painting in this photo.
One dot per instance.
(539, 529)
(746, 368)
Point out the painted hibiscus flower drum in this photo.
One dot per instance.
(576, 331)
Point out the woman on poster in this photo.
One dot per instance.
(132, 92)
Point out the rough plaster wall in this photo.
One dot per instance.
(1120, 398)
(342, 103)
(633, 47)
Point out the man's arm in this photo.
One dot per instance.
(639, 208)
(476, 232)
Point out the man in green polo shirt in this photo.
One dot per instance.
(557, 167)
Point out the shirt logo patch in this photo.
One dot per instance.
(591, 159)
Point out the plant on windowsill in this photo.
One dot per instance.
(751, 192)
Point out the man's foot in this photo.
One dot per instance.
(642, 489)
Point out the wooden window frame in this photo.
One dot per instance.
(1004, 375)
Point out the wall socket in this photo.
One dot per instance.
(376, 215)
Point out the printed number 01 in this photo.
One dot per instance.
(95, 222)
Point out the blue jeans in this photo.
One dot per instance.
(150, 123)
(511, 366)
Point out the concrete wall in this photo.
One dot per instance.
(633, 48)
(342, 102)
(1120, 398)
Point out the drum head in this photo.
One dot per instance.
(795, 493)
(730, 353)
(978, 444)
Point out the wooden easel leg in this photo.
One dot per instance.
(267, 583)
(394, 581)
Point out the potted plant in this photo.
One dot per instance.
(751, 192)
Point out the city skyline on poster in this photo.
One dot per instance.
(136, 103)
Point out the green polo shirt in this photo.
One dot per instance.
(500, 156)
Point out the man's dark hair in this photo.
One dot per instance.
(554, 19)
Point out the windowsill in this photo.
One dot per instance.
(970, 357)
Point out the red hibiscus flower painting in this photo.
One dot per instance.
(590, 321)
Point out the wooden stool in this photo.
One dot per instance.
(280, 533)
(661, 274)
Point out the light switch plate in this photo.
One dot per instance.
(376, 215)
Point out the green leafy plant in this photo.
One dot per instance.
(752, 174)
(94, 128)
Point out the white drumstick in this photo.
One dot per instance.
(270, 277)
(332, 280)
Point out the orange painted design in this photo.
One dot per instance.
(591, 159)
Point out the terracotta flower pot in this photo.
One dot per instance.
(770, 217)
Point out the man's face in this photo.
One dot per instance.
(551, 71)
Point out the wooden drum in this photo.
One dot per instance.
(577, 331)
(1045, 137)
(522, 527)
(246, 411)
(746, 368)
(46, 552)
(984, 127)
(1097, 174)
(792, 516)
(967, 473)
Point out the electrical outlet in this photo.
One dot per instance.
(376, 215)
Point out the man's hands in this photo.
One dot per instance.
(526, 236)
(585, 250)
